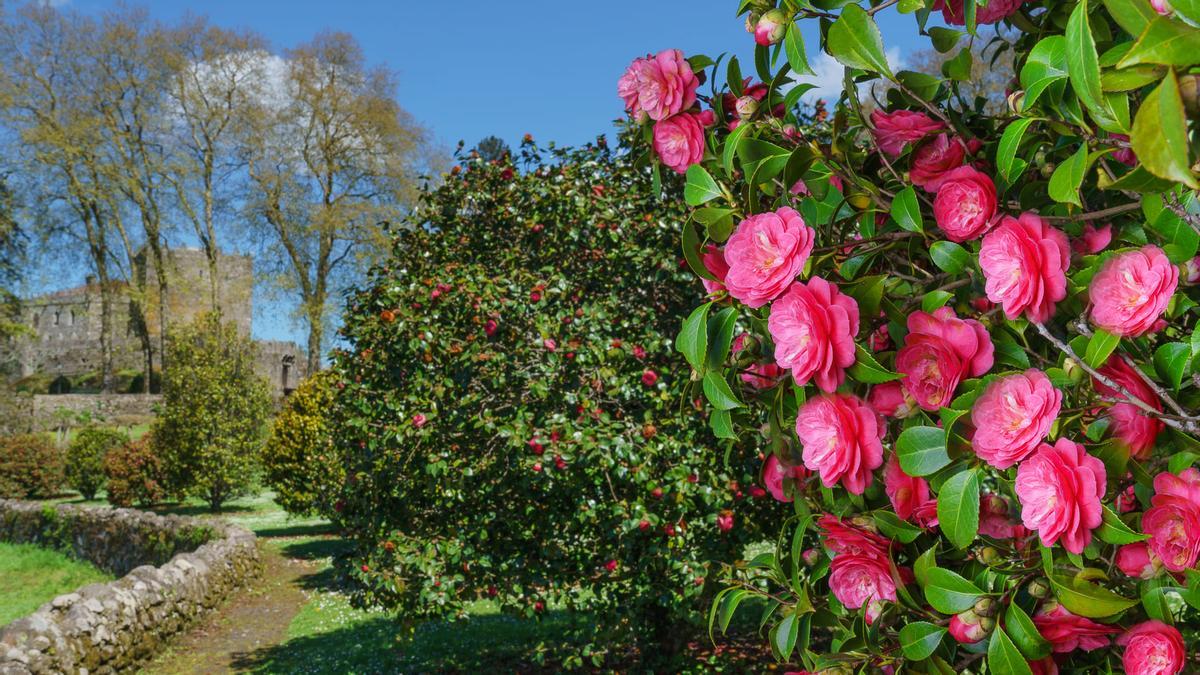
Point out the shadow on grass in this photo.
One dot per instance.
(200, 509)
(316, 549)
(306, 530)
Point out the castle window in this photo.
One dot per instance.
(57, 317)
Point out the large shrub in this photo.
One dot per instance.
(85, 458)
(514, 422)
(30, 467)
(135, 474)
(209, 434)
(990, 318)
(300, 461)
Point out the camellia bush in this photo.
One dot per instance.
(513, 416)
(300, 460)
(982, 329)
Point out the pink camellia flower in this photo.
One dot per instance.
(490, 327)
(778, 477)
(1152, 648)
(725, 521)
(939, 351)
(967, 627)
(714, 261)
(1163, 7)
(1067, 632)
(611, 565)
(765, 254)
(649, 378)
(1045, 666)
(1092, 240)
(996, 10)
(1012, 416)
(934, 159)
(658, 86)
(841, 437)
(1024, 262)
(770, 27)
(813, 326)
(419, 420)
(965, 204)
(1138, 561)
(892, 400)
(995, 520)
(1060, 489)
(1126, 501)
(1131, 291)
(679, 141)
(550, 344)
(1124, 154)
(845, 537)
(880, 339)
(862, 581)
(1191, 270)
(909, 495)
(758, 375)
(896, 129)
(1173, 519)
(1130, 426)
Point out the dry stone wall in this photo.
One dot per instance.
(176, 569)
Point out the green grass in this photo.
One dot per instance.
(31, 576)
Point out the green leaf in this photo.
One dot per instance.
(918, 640)
(906, 211)
(959, 67)
(691, 251)
(935, 299)
(785, 634)
(949, 256)
(958, 508)
(1113, 530)
(717, 390)
(1024, 633)
(1007, 162)
(1065, 182)
(721, 422)
(1083, 65)
(1100, 347)
(732, 142)
(717, 222)
(944, 39)
(729, 606)
(1137, 180)
(692, 340)
(949, 593)
(1087, 599)
(1165, 42)
(793, 44)
(1171, 361)
(854, 40)
(925, 562)
(1131, 15)
(1045, 65)
(867, 369)
(700, 186)
(720, 336)
(922, 450)
(894, 528)
(1003, 656)
(1160, 136)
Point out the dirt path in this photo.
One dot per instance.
(255, 618)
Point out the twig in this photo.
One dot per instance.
(1095, 215)
(1190, 218)
(882, 6)
(1183, 422)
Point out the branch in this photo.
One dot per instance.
(1096, 215)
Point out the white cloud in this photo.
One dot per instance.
(830, 76)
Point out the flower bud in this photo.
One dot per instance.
(1016, 101)
(810, 557)
(968, 627)
(1074, 370)
(1038, 588)
(1163, 7)
(864, 523)
(985, 607)
(752, 21)
(746, 106)
(1191, 270)
(988, 555)
(770, 27)
(1189, 91)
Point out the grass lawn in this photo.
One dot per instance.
(31, 576)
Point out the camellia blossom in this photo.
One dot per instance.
(1060, 488)
(965, 205)
(892, 400)
(934, 159)
(776, 477)
(1131, 291)
(1067, 632)
(896, 129)
(658, 86)
(765, 254)
(1130, 426)
(813, 326)
(714, 261)
(1012, 416)
(1152, 648)
(859, 581)
(995, 520)
(909, 495)
(1024, 262)
(939, 352)
(1138, 561)
(967, 628)
(842, 536)
(841, 437)
(1092, 240)
(679, 141)
(954, 14)
(1173, 519)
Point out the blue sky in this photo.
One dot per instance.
(472, 68)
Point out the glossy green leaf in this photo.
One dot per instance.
(793, 45)
(894, 528)
(1113, 530)
(867, 369)
(1045, 65)
(918, 640)
(1087, 599)
(720, 336)
(1100, 347)
(1024, 633)
(1166, 42)
(1004, 657)
(1083, 66)
(958, 508)
(1131, 15)
(1160, 136)
(700, 186)
(692, 340)
(922, 450)
(948, 592)
(854, 40)
(717, 390)
(925, 562)
(1009, 165)
(906, 210)
(1171, 361)
(949, 256)
(1068, 176)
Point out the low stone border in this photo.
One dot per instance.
(112, 627)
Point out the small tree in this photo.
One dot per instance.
(30, 467)
(300, 460)
(135, 474)
(85, 458)
(210, 431)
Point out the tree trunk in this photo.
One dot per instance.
(315, 330)
(106, 356)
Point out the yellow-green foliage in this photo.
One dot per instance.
(301, 463)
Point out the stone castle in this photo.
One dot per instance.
(64, 336)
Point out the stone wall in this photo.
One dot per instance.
(111, 409)
(175, 569)
(16, 413)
